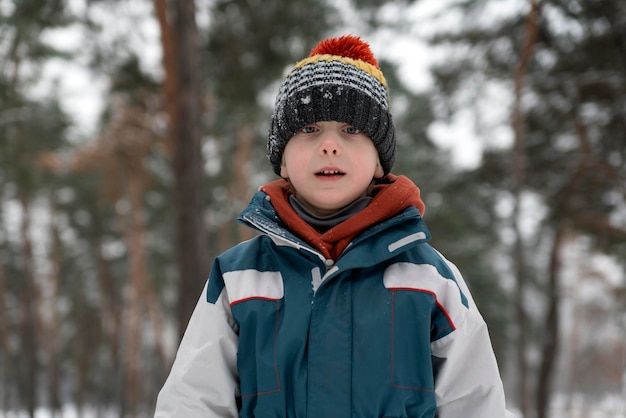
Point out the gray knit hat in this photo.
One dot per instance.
(339, 81)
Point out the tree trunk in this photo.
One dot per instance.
(111, 305)
(53, 324)
(170, 96)
(155, 315)
(28, 328)
(240, 184)
(136, 244)
(188, 163)
(182, 98)
(551, 336)
(5, 354)
(27, 364)
(81, 354)
(519, 168)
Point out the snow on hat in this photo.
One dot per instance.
(339, 81)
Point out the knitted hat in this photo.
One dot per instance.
(339, 81)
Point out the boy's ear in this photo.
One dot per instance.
(283, 170)
(379, 173)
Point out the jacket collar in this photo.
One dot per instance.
(270, 212)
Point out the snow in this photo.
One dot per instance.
(573, 406)
(577, 406)
(69, 411)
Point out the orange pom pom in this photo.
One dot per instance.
(346, 46)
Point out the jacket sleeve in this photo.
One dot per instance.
(203, 381)
(468, 382)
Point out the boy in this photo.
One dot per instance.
(340, 308)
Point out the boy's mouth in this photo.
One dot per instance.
(325, 173)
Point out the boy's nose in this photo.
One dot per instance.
(330, 146)
(329, 150)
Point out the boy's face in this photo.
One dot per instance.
(330, 165)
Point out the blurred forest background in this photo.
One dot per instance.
(107, 230)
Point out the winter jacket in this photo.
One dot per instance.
(387, 329)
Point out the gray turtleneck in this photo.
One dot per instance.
(324, 223)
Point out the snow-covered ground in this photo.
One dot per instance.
(612, 406)
(575, 406)
(69, 411)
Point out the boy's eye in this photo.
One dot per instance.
(309, 129)
(352, 130)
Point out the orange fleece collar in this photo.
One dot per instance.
(389, 198)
